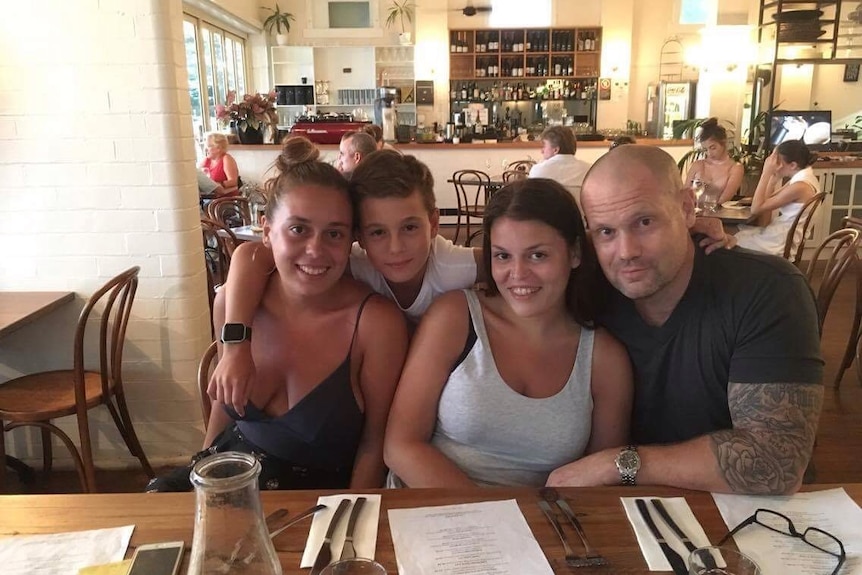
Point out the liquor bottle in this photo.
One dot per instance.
(475, 91)
(463, 91)
(570, 70)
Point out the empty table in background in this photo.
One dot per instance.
(18, 308)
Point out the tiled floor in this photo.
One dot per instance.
(836, 457)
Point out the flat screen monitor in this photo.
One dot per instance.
(814, 127)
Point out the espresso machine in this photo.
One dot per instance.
(384, 110)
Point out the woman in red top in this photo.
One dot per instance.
(219, 165)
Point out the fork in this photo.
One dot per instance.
(593, 558)
(572, 559)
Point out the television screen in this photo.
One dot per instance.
(814, 127)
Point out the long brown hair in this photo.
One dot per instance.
(546, 201)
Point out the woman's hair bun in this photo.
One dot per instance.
(296, 150)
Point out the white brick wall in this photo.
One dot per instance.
(97, 175)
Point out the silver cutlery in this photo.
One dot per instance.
(593, 558)
(349, 551)
(324, 556)
(572, 559)
(676, 562)
(270, 521)
(665, 515)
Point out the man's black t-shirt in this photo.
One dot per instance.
(745, 318)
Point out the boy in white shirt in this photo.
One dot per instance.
(398, 253)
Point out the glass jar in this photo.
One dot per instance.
(230, 531)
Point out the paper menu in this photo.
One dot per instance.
(63, 553)
(488, 538)
(831, 510)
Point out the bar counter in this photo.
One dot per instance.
(255, 162)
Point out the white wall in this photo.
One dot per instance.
(97, 165)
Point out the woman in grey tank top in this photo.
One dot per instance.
(500, 386)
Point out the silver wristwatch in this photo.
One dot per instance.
(628, 464)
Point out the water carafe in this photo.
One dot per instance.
(230, 534)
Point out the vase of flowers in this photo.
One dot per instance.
(250, 116)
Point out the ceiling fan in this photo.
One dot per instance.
(470, 10)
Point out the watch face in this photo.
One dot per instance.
(233, 332)
(628, 460)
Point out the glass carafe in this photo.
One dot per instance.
(230, 534)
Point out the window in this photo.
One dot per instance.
(511, 13)
(216, 64)
(697, 11)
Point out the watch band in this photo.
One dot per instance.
(628, 464)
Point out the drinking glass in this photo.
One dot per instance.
(721, 561)
(488, 165)
(355, 566)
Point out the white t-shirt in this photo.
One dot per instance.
(565, 169)
(450, 267)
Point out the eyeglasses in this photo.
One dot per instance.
(817, 538)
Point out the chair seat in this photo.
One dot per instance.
(46, 395)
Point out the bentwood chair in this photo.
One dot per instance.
(512, 175)
(205, 368)
(853, 341)
(37, 399)
(219, 244)
(805, 217)
(841, 248)
(521, 166)
(472, 188)
(232, 212)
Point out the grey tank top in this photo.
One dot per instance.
(500, 437)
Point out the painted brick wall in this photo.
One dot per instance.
(97, 175)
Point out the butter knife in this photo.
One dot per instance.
(348, 551)
(676, 562)
(324, 556)
(709, 562)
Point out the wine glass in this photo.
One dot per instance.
(488, 165)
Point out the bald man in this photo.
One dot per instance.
(725, 348)
(353, 147)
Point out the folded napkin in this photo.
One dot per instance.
(364, 534)
(682, 515)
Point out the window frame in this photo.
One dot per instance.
(239, 71)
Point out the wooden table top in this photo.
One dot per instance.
(170, 517)
(18, 308)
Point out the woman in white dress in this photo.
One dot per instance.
(780, 203)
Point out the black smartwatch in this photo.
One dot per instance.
(235, 333)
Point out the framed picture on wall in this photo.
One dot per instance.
(851, 72)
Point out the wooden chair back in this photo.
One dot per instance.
(841, 249)
(36, 399)
(219, 244)
(471, 188)
(232, 212)
(205, 368)
(805, 217)
(521, 166)
(511, 175)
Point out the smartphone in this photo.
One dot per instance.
(157, 559)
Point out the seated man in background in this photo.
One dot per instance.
(725, 348)
(558, 150)
(353, 147)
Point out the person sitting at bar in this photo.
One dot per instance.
(327, 350)
(376, 132)
(353, 147)
(720, 174)
(725, 348)
(558, 150)
(501, 387)
(220, 166)
(780, 204)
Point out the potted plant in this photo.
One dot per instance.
(249, 116)
(278, 20)
(399, 10)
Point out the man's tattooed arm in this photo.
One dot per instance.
(774, 425)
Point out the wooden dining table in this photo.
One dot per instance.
(170, 517)
(19, 308)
